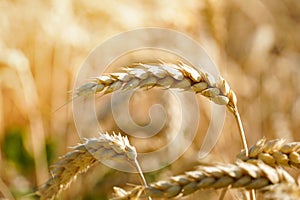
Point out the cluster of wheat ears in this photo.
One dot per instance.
(257, 169)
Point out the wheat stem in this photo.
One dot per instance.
(252, 194)
(241, 129)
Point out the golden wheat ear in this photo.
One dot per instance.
(167, 75)
(239, 175)
(274, 153)
(104, 147)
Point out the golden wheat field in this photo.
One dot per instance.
(256, 47)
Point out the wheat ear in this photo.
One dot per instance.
(105, 147)
(167, 75)
(238, 175)
(274, 152)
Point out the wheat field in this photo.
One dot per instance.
(256, 47)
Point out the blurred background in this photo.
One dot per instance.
(255, 44)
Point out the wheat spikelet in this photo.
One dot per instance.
(111, 147)
(238, 175)
(274, 152)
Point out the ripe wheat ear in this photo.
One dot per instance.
(167, 75)
(238, 175)
(274, 152)
(105, 147)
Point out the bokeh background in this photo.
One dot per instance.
(255, 44)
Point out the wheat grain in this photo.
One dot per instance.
(274, 152)
(238, 175)
(105, 147)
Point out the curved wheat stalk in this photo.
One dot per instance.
(105, 147)
(167, 75)
(238, 175)
(274, 152)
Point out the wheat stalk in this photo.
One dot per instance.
(105, 147)
(167, 75)
(238, 175)
(274, 152)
